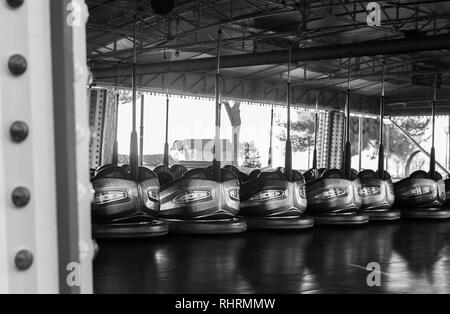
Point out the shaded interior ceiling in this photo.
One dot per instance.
(251, 26)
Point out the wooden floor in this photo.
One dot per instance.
(414, 258)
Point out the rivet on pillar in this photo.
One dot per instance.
(15, 3)
(17, 65)
(19, 131)
(21, 197)
(23, 260)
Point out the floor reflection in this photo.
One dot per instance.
(337, 258)
(414, 257)
(422, 265)
(274, 262)
(170, 265)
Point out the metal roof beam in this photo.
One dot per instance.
(367, 48)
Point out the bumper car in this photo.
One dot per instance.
(377, 189)
(126, 203)
(200, 201)
(269, 200)
(422, 195)
(126, 208)
(275, 200)
(332, 195)
(377, 195)
(195, 203)
(333, 199)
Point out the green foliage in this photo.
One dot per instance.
(302, 134)
(399, 144)
(371, 130)
(252, 158)
(302, 131)
(126, 97)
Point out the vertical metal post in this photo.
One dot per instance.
(84, 187)
(115, 158)
(388, 150)
(288, 160)
(217, 146)
(448, 144)
(65, 142)
(141, 135)
(433, 125)
(381, 162)
(270, 162)
(134, 156)
(316, 131)
(71, 145)
(166, 144)
(348, 146)
(360, 141)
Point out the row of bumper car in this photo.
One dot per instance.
(193, 202)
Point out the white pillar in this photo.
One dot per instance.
(27, 97)
(83, 139)
(29, 256)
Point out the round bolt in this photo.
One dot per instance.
(17, 65)
(23, 260)
(21, 197)
(19, 131)
(15, 3)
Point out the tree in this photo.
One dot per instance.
(234, 114)
(398, 143)
(252, 157)
(302, 134)
(302, 131)
(126, 97)
(371, 130)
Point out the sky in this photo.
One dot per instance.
(191, 118)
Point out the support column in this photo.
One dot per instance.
(83, 136)
(28, 207)
(45, 230)
(102, 122)
(448, 144)
(361, 138)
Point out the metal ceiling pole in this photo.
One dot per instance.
(316, 131)
(141, 135)
(361, 138)
(448, 142)
(288, 160)
(115, 157)
(270, 163)
(382, 114)
(433, 129)
(166, 144)
(134, 156)
(217, 168)
(359, 49)
(348, 146)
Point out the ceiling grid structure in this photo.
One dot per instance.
(414, 35)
